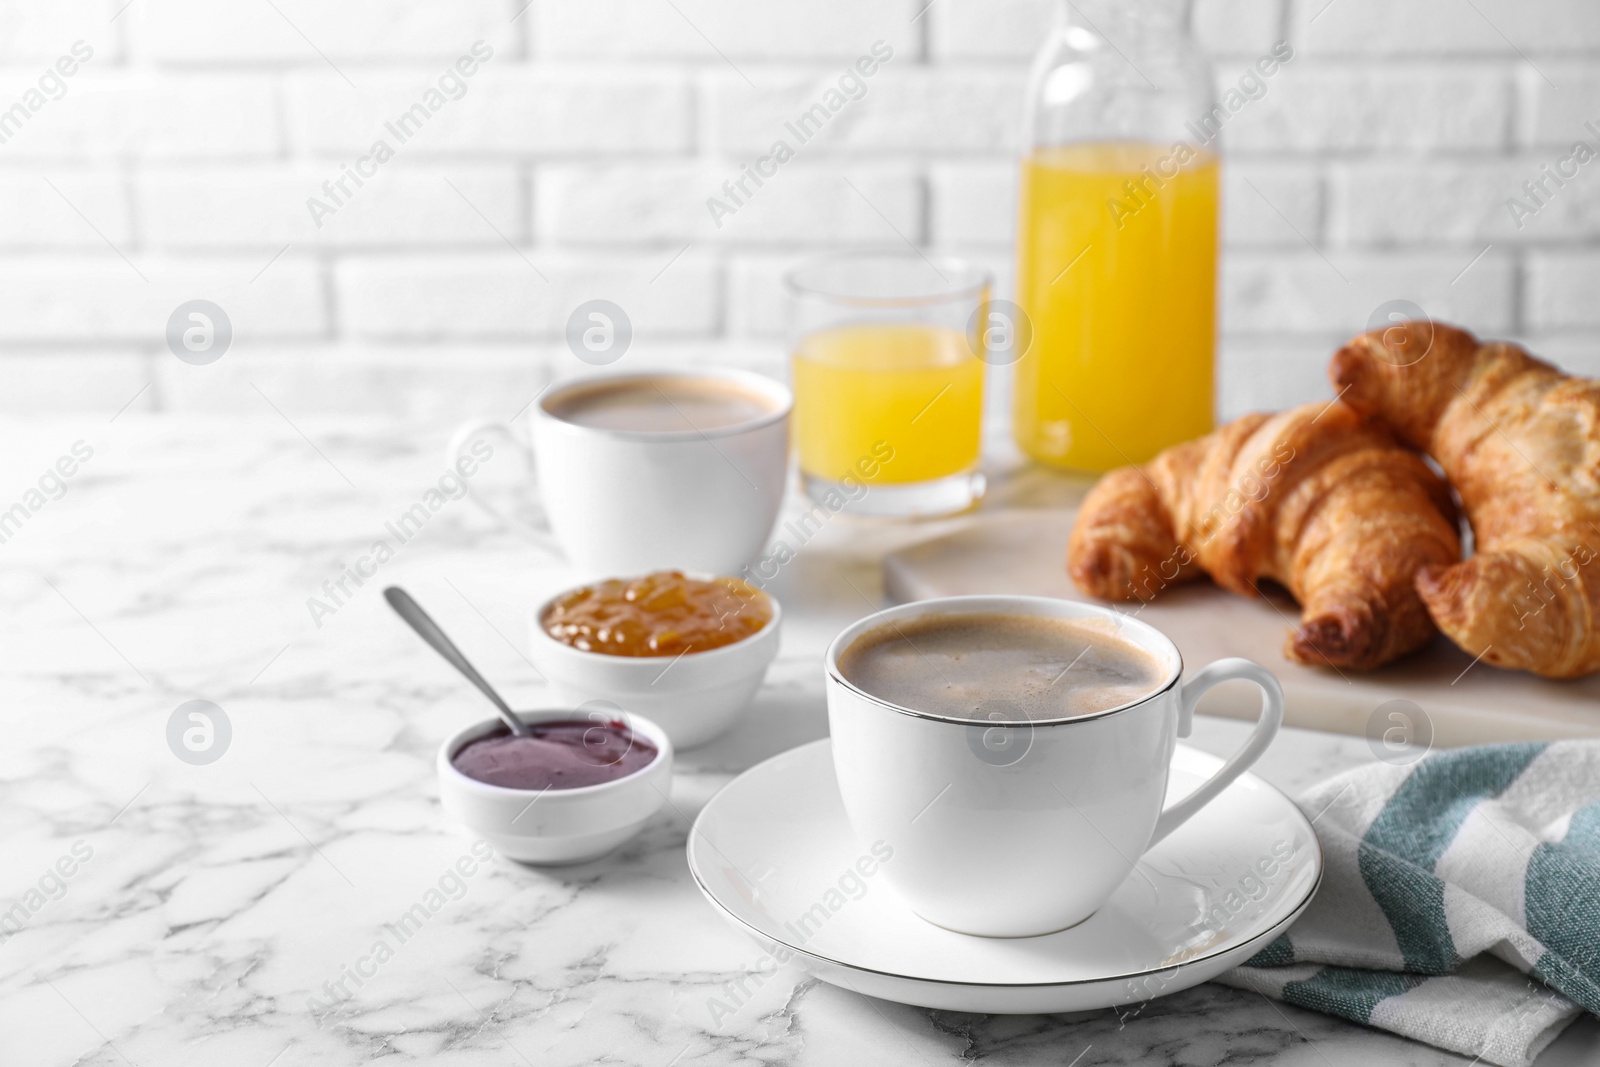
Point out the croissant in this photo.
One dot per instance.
(1318, 499)
(1521, 443)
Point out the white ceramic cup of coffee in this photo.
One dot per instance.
(1022, 827)
(623, 502)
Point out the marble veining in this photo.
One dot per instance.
(231, 912)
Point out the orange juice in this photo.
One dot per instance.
(910, 391)
(1117, 263)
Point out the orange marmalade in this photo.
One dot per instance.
(661, 614)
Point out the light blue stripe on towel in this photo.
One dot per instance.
(1349, 994)
(1562, 904)
(1400, 850)
(1280, 952)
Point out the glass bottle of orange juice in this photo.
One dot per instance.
(1117, 237)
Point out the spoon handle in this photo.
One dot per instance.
(423, 623)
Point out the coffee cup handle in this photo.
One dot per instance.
(475, 428)
(1271, 718)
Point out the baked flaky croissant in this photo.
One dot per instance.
(1521, 443)
(1318, 499)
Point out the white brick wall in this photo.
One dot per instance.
(575, 163)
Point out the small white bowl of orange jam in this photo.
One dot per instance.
(686, 652)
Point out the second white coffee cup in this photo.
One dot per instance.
(625, 502)
(1021, 827)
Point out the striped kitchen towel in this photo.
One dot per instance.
(1460, 902)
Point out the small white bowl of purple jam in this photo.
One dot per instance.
(572, 790)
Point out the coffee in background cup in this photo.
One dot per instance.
(662, 404)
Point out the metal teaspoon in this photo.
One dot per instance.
(420, 621)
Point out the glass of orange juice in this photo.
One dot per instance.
(887, 371)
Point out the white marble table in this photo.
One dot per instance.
(219, 906)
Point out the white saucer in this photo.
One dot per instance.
(773, 847)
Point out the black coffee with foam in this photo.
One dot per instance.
(1001, 666)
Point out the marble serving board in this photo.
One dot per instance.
(1462, 703)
